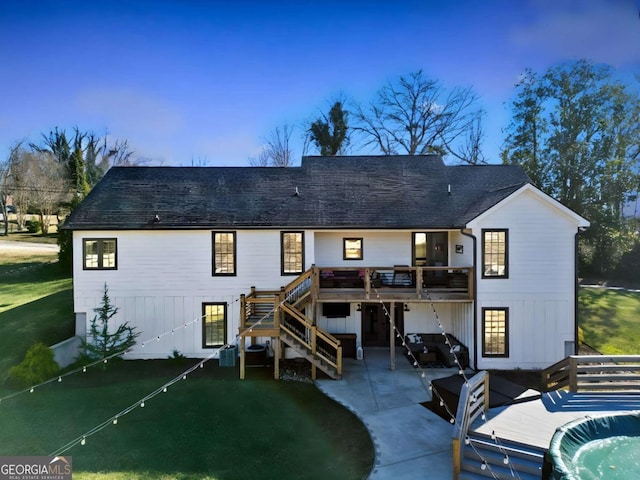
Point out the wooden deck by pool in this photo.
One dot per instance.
(534, 422)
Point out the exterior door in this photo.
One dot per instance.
(376, 327)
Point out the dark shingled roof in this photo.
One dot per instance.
(342, 192)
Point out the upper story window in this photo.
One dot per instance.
(352, 249)
(99, 254)
(495, 253)
(292, 247)
(224, 253)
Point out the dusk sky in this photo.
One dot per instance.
(206, 81)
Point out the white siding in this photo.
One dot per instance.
(540, 290)
(379, 248)
(164, 277)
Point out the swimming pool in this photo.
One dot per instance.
(597, 447)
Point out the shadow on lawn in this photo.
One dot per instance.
(211, 425)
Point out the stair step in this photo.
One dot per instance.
(473, 470)
(521, 465)
(514, 450)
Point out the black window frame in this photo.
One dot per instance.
(283, 254)
(100, 248)
(204, 324)
(344, 248)
(234, 253)
(506, 253)
(504, 354)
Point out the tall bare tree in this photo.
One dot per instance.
(416, 115)
(48, 186)
(276, 150)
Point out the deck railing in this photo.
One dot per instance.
(584, 373)
(473, 402)
(420, 280)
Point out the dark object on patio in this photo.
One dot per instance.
(348, 342)
(501, 392)
(227, 356)
(255, 356)
(435, 342)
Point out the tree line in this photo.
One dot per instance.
(574, 129)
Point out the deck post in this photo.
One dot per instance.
(470, 276)
(573, 374)
(314, 339)
(276, 358)
(367, 283)
(243, 342)
(419, 282)
(486, 392)
(243, 310)
(392, 336)
(456, 458)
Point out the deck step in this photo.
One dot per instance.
(524, 462)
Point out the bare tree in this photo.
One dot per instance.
(276, 151)
(416, 115)
(48, 186)
(6, 187)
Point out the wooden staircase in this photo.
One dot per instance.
(281, 316)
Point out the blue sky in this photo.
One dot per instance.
(206, 81)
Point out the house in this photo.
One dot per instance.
(337, 253)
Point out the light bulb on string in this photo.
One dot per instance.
(142, 404)
(115, 421)
(164, 390)
(105, 360)
(467, 440)
(83, 441)
(31, 390)
(505, 460)
(84, 369)
(484, 465)
(452, 421)
(59, 379)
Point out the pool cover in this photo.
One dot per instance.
(602, 447)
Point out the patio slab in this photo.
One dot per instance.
(410, 441)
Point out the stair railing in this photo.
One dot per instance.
(473, 402)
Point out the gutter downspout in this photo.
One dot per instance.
(576, 343)
(475, 296)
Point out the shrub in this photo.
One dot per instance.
(38, 365)
(33, 226)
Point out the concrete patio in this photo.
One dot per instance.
(410, 441)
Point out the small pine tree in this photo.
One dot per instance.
(100, 341)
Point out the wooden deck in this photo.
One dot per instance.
(393, 294)
(534, 422)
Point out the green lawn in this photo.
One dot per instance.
(210, 426)
(610, 320)
(36, 305)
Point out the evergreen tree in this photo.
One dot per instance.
(102, 341)
(329, 132)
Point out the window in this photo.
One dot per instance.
(495, 255)
(292, 244)
(495, 332)
(214, 325)
(352, 249)
(224, 253)
(99, 254)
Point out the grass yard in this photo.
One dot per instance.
(610, 320)
(210, 426)
(36, 304)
